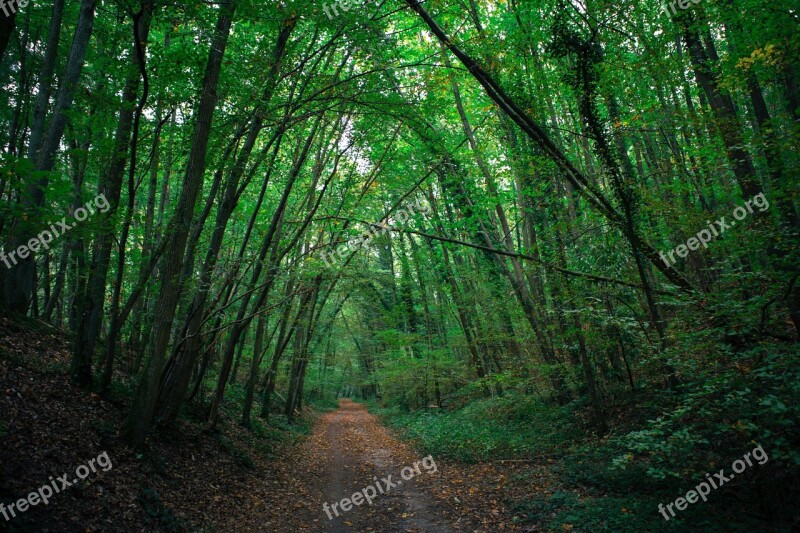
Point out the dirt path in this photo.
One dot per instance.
(353, 452)
(348, 452)
(232, 480)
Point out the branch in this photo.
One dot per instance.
(565, 271)
(578, 180)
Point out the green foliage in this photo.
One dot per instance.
(730, 401)
(324, 404)
(564, 511)
(750, 397)
(498, 428)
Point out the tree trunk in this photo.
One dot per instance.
(92, 312)
(140, 417)
(19, 281)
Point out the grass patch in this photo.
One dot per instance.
(497, 428)
(324, 404)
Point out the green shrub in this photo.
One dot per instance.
(498, 428)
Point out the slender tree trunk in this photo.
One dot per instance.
(724, 113)
(140, 417)
(92, 312)
(45, 80)
(19, 281)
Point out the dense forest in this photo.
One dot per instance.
(551, 244)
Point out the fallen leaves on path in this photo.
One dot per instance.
(349, 450)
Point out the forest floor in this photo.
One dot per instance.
(349, 451)
(272, 479)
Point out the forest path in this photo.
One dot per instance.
(350, 451)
